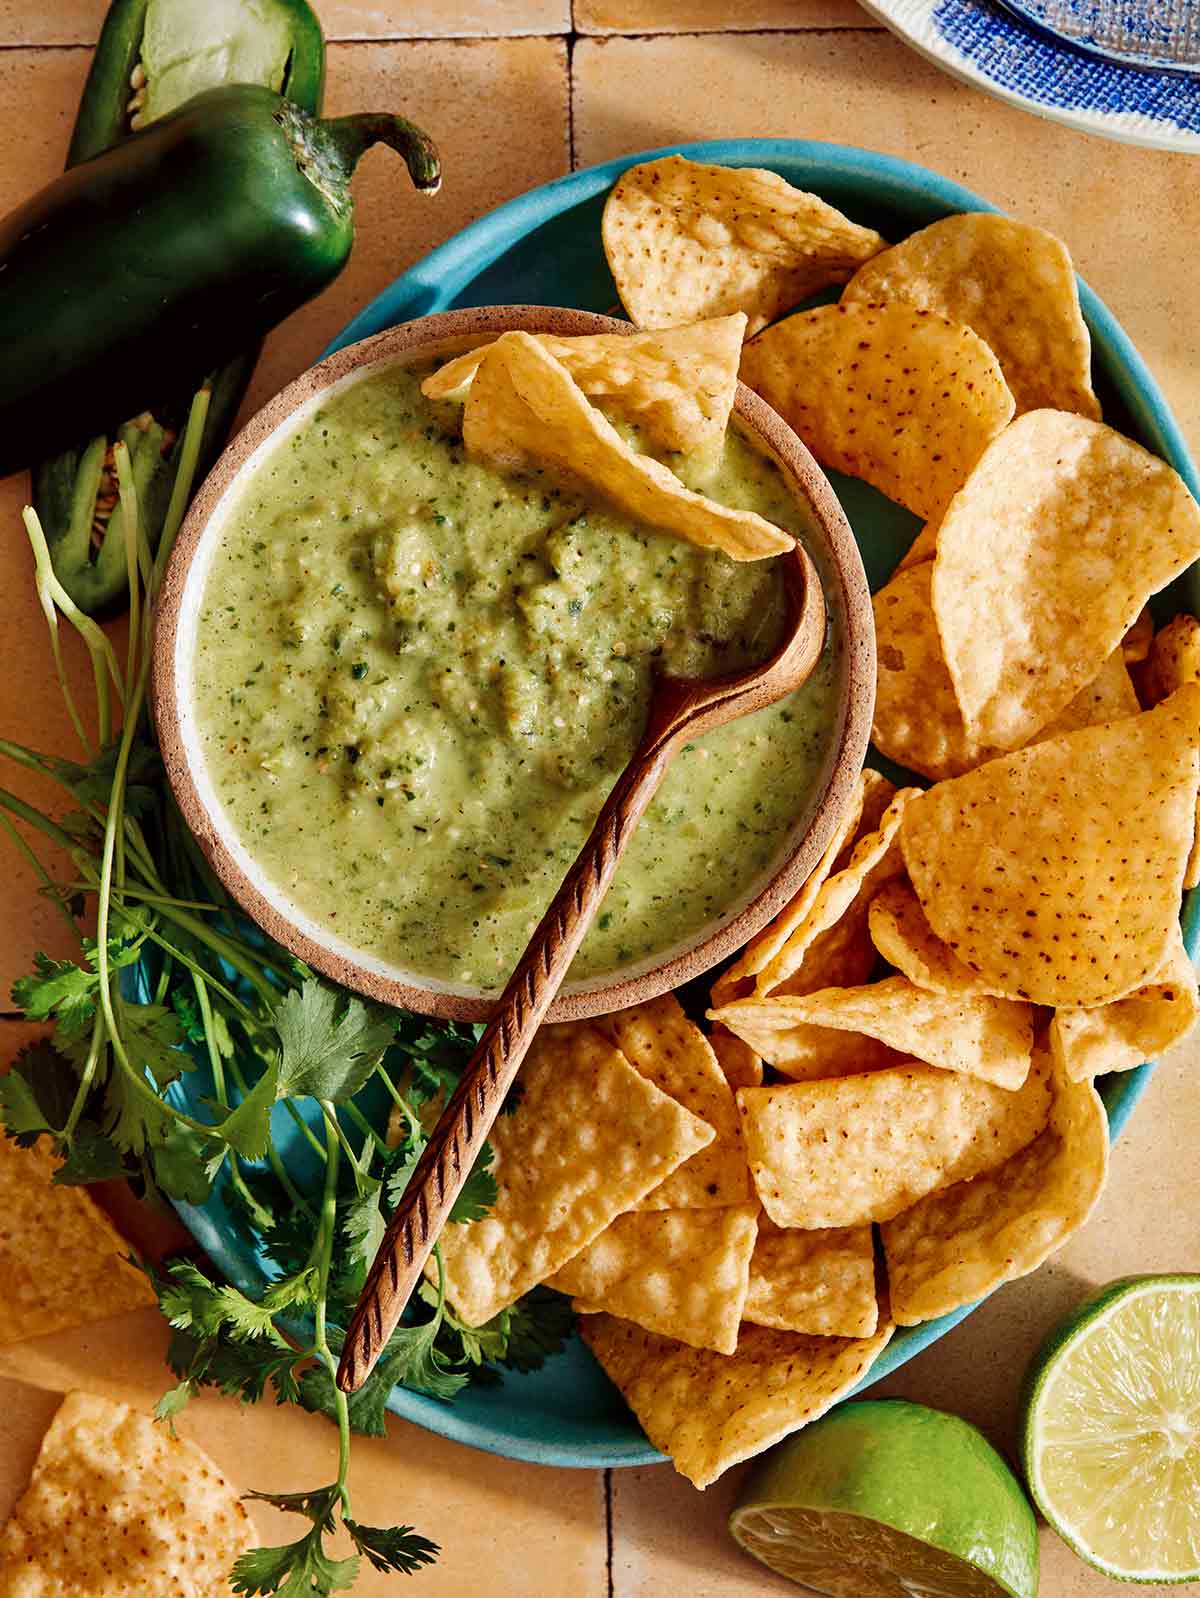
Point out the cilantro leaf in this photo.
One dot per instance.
(36, 1094)
(393, 1548)
(93, 784)
(330, 1047)
(302, 1567)
(412, 1357)
(293, 1292)
(173, 1403)
(90, 1157)
(241, 1369)
(539, 1326)
(134, 1119)
(153, 1039)
(434, 1054)
(363, 1226)
(317, 1505)
(184, 1164)
(479, 1191)
(59, 991)
(294, 1570)
(247, 1129)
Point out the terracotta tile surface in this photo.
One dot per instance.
(499, 110)
(498, 1522)
(78, 21)
(714, 16)
(869, 89)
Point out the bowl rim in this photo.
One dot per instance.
(594, 996)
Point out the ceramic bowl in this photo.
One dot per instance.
(828, 539)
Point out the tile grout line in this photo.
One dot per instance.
(608, 1532)
(570, 36)
(572, 40)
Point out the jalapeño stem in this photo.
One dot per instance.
(331, 149)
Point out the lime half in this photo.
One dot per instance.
(1112, 1429)
(885, 1499)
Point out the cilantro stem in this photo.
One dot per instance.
(52, 890)
(328, 1225)
(223, 947)
(98, 645)
(85, 1078)
(334, 1126)
(352, 1113)
(181, 491)
(43, 823)
(127, 490)
(191, 965)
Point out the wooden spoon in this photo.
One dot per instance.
(680, 709)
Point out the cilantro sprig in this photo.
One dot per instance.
(274, 1041)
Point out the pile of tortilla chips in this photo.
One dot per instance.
(895, 1110)
(623, 1181)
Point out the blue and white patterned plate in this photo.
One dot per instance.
(997, 49)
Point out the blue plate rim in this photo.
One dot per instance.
(917, 24)
(443, 273)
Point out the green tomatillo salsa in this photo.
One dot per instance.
(417, 678)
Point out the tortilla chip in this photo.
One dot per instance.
(678, 385)
(1055, 873)
(1135, 645)
(62, 1261)
(117, 1506)
(1011, 283)
(917, 719)
(801, 1051)
(685, 241)
(1172, 659)
(863, 1148)
(523, 406)
(922, 548)
(683, 1273)
(1128, 1032)
(1110, 697)
(832, 947)
(964, 1241)
(589, 1137)
(872, 794)
(710, 1411)
(984, 1037)
(1060, 535)
(659, 1041)
(901, 398)
(902, 934)
(821, 1283)
(742, 1067)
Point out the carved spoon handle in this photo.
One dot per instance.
(467, 1119)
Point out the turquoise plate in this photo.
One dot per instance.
(544, 249)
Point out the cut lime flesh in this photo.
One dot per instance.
(1112, 1430)
(848, 1556)
(887, 1499)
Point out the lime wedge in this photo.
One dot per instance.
(1112, 1429)
(885, 1499)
